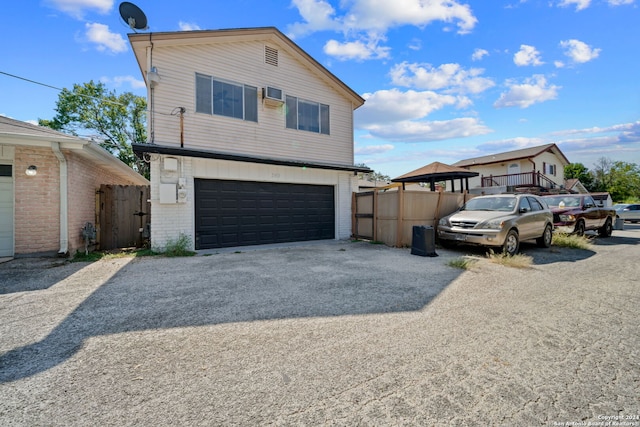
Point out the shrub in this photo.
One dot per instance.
(178, 247)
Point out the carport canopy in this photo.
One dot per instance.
(436, 172)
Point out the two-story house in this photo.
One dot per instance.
(251, 139)
(539, 167)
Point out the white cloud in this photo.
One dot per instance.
(580, 4)
(534, 90)
(389, 106)
(359, 50)
(188, 26)
(578, 51)
(369, 20)
(428, 131)
(373, 149)
(104, 39)
(77, 8)
(450, 77)
(318, 15)
(620, 2)
(527, 55)
(118, 81)
(478, 54)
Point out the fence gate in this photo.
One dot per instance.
(123, 216)
(363, 212)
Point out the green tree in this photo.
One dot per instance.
(116, 121)
(373, 176)
(580, 172)
(624, 181)
(620, 179)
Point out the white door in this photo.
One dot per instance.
(513, 171)
(6, 210)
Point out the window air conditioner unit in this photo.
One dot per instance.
(273, 96)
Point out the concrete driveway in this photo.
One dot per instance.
(334, 333)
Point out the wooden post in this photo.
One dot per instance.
(400, 217)
(375, 215)
(354, 211)
(437, 215)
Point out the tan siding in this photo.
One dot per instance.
(243, 62)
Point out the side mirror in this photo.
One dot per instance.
(524, 210)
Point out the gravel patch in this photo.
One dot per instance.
(331, 333)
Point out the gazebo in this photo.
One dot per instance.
(435, 172)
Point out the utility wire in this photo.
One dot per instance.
(87, 96)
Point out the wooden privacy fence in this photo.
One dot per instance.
(124, 213)
(389, 216)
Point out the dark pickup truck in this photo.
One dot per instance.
(576, 213)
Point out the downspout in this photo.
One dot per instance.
(64, 205)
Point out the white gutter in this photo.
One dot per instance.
(64, 205)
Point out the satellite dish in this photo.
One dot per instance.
(133, 16)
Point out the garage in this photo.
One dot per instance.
(242, 213)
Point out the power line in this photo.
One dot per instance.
(86, 96)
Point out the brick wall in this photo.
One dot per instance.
(37, 213)
(37, 199)
(171, 220)
(84, 179)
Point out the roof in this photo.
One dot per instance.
(141, 149)
(435, 171)
(524, 153)
(16, 132)
(141, 41)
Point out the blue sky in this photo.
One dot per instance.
(444, 80)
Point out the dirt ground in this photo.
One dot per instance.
(331, 333)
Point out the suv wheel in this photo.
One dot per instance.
(579, 230)
(544, 241)
(511, 243)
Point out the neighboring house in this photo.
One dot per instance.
(574, 185)
(539, 167)
(603, 199)
(48, 183)
(251, 139)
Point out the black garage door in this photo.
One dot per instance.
(242, 213)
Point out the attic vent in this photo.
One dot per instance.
(271, 56)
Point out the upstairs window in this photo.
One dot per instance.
(307, 115)
(224, 98)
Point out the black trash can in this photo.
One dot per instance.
(423, 242)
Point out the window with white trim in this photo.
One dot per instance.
(307, 115)
(225, 98)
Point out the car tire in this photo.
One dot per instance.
(511, 243)
(579, 230)
(606, 229)
(544, 241)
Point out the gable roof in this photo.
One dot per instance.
(141, 41)
(16, 132)
(524, 153)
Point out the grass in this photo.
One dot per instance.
(178, 247)
(122, 253)
(514, 261)
(571, 241)
(462, 263)
(173, 248)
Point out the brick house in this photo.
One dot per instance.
(251, 139)
(48, 183)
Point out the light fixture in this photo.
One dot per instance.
(31, 171)
(153, 76)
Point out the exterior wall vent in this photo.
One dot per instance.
(271, 56)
